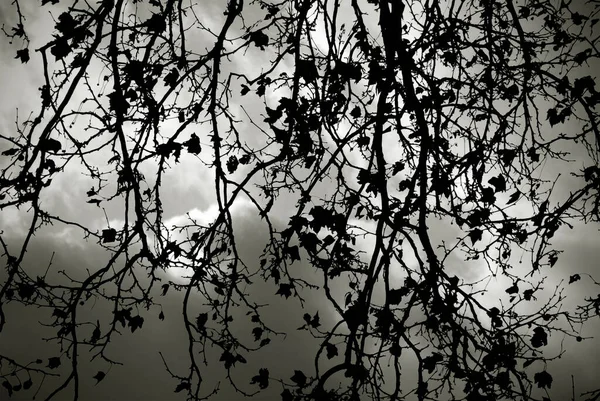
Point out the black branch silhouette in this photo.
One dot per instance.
(376, 167)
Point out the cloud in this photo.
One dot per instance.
(142, 377)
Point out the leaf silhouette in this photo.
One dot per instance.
(156, 23)
(23, 55)
(514, 289)
(193, 144)
(528, 294)
(18, 31)
(26, 291)
(582, 56)
(109, 235)
(307, 69)
(54, 362)
(66, 23)
(122, 316)
(228, 359)
(475, 235)
(540, 337)
(310, 242)
(395, 295)
(96, 333)
(8, 387)
(135, 323)
(260, 39)
(61, 48)
(498, 182)
(285, 290)
(431, 361)
(201, 321)
(299, 378)
(118, 103)
(488, 196)
(10, 152)
(232, 164)
(184, 385)
(332, 350)
(262, 379)
(171, 78)
(50, 145)
(293, 252)
(543, 379)
(99, 376)
(514, 197)
(257, 332)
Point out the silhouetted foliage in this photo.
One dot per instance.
(368, 130)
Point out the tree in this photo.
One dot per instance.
(412, 157)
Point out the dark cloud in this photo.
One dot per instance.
(143, 375)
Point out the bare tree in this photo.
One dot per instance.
(379, 141)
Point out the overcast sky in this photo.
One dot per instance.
(188, 193)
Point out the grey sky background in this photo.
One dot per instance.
(188, 189)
